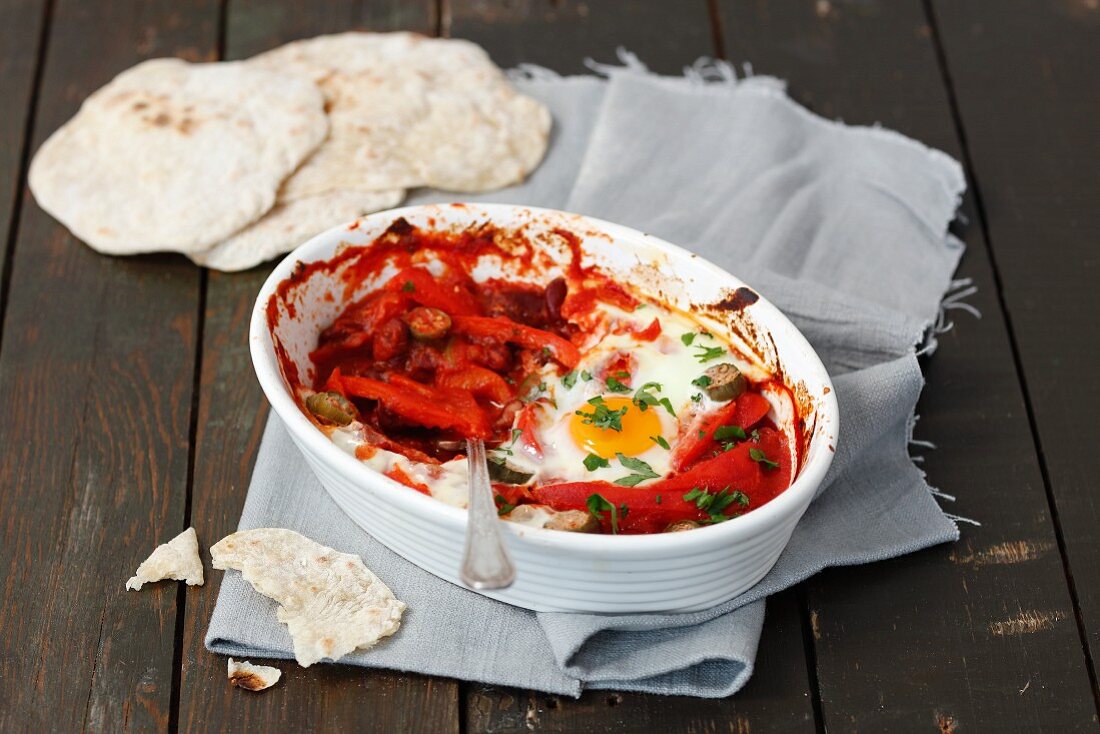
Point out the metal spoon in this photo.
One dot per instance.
(486, 564)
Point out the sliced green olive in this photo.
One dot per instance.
(428, 323)
(681, 525)
(726, 382)
(573, 521)
(501, 472)
(331, 407)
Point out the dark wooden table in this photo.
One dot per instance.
(131, 411)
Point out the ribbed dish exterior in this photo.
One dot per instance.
(566, 584)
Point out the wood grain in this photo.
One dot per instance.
(561, 34)
(1025, 84)
(96, 371)
(776, 699)
(232, 413)
(911, 643)
(667, 37)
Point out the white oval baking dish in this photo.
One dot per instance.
(559, 571)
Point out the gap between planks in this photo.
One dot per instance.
(192, 440)
(24, 161)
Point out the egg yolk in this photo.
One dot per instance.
(633, 439)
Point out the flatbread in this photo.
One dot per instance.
(178, 559)
(330, 602)
(407, 110)
(177, 156)
(244, 674)
(290, 224)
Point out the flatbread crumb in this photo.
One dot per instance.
(178, 559)
(252, 677)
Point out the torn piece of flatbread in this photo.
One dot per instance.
(177, 156)
(290, 224)
(330, 602)
(252, 677)
(406, 110)
(178, 559)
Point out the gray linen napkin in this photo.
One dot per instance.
(843, 228)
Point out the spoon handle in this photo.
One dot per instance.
(486, 564)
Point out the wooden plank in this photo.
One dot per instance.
(666, 37)
(96, 370)
(981, 633)
(1025, 83)
(232, 413)
(20, 55)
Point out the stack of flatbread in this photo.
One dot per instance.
(235, 163)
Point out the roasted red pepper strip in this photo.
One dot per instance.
(334, 383)
(735, 470)
(649, 333)
(432, 410)
(526, 422)
(528, 337)
(478, 380)
(447, 294)
(455, 399)
(746, 411)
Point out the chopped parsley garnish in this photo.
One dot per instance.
(597, 504)
(516, 433)
(623, 510)
(706, 354)
(643, 398)
(657, 499)
(715, 503)
(639, 307)
(503, 506)
(569, 380)
(586, 375)
(727, 433)
(593, 462)
(755, 435)
(758, 456)
(602, 416)
(687, 338)
(697, 397)
(701, 381)
(613, 385)
(660, 441)
(408, 286)
(642, 471)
